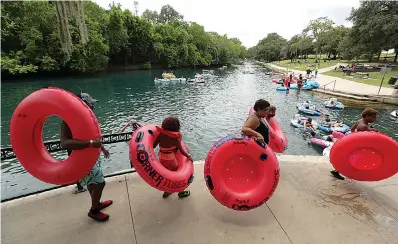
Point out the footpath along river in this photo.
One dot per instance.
(207, 112)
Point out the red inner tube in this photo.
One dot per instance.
(147, 165)
(240, 173)
(26, 135)
(365, 156)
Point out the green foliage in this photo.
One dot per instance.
(270, 48)
(146, 66)
(375, 28)
(31, 40)
(12, 64)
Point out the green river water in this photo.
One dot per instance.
(207, 112)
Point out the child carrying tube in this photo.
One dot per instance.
(169, 141)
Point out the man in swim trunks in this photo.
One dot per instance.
(94, 179)
(368, 117)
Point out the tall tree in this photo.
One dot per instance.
(316, 28)
(169, 14)
(150, 15)
(270, 47)
(330, 40)
(67, 11)
(375, 26)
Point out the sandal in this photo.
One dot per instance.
(166, 194)
(184, 194)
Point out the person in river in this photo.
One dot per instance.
(368, 117)
(300, 82)
(94, 180)
(169, 141)
(254, 126)
(308, 124)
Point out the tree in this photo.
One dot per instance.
(330, 40)
(150, 15)
(169, 14)
(375, 25)
(115, 37)
(317, 28)
(270, 47)
(67, 10)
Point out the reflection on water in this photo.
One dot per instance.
(207, 112)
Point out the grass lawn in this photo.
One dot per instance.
(303, 66)
(374, 77)
(272, 68)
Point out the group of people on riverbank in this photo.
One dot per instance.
(254, 126)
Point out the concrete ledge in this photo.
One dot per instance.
(345, 95)
(307, 207)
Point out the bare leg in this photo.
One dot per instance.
(96, 194)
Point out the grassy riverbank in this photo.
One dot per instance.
(301, 65)
(374, 77)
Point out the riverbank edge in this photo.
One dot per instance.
(114, 176)
(353, 96)
(111, 69)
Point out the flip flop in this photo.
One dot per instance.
(184, 194)
(166, 194)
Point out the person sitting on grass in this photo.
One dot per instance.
(368, 117)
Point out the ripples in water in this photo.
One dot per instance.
(207, 112)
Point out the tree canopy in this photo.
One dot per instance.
(375, 28)
(35, 38)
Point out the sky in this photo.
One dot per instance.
(250, 20)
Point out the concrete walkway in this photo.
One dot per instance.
(343, 85)
(308, 207)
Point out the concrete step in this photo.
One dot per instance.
(309, 206)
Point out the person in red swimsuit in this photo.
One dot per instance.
(300, 82)
(169, 141)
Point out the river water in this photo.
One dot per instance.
(207, 112)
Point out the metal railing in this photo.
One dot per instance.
(55, 146)
(324, 86)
